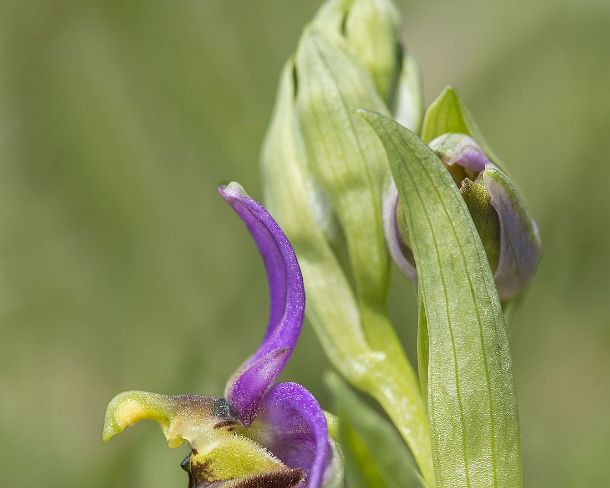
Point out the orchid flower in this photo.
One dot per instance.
(260, 433)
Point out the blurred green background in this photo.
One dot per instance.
(120, 267)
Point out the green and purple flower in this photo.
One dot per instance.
(261, 433)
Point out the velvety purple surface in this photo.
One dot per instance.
(295, 430)
(472, 158)
(248, 386)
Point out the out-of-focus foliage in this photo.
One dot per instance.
(121, 268)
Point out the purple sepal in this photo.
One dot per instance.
(251, 382)
(248, 385)
(520, 245)
(396, 246)
(462, 150)
(293, 427)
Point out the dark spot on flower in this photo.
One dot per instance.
(225, 423)
(282, 479)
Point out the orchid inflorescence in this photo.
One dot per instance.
(356, 175)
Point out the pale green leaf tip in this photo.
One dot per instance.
(449, 91)
(367, 115)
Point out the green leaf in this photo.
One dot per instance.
(409, 104)
(472, 405)
(375, 455)
(297, 203)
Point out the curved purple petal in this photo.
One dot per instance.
(520, 245)
(293, 427)
(396, 246)
(462, 150)
(287, 296)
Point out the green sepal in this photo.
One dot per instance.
(370, 31)
(374, 453)
(347, 160)
(409, 101)
(448, 114)
(472, 405)
(521, 247)
(485, 218)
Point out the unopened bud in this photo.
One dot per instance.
(509, 234)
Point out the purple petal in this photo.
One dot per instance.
(462, 150)
(520, 246)
(287, 296)
(392, 235)
(293, 427)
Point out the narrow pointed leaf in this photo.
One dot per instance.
(371, 31)
(409, 107)
(472, 403)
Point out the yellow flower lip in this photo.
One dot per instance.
(130, 407)
(182, 417)
(219, 451)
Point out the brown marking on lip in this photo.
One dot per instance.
(288, 478)
(225, 423)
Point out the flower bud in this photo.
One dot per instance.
(509, 234)
(369, 29)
